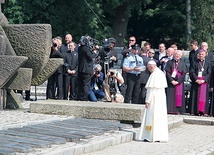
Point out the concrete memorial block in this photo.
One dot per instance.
(94, 110)
(6, 48)
(47, 71)
(21, 80)
(33, 41)
(8, 67)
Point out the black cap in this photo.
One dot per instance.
(135, 47)
(112, 40)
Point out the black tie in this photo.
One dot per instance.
(136, 59)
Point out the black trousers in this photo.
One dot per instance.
(133, 88)
(72, 81)
(84, 80)
(55, 81)
(142, 94)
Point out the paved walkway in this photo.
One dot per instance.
(185, 138)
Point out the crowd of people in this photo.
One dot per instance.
(88, 74)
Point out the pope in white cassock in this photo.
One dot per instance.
(154, 125)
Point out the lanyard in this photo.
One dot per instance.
(202, 65)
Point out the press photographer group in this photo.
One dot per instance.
(105, 80)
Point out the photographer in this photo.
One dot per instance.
(108, 56)
(113, 81)
(55, 80)
(97, 79)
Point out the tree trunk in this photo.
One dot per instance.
(188, 18)
(120, 23)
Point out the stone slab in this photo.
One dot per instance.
(52, 140)
(17, 148)
(67, 137)
(70, 129)
(199, 121)
(25, 140)
(8, 67)
(52, 65)
(13, 102)
(92, 110)
(21, 80)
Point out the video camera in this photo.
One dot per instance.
(89, 41)
(106, 44)
(106, 48)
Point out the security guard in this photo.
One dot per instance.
(133, 65)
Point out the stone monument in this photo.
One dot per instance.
(24, 58)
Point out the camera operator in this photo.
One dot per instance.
(113, 81)
(108, 56)
(96, 91)
(85, 68)
(55, 80)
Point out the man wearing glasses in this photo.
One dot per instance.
(125, 52)
(133, 65)
(151, 55)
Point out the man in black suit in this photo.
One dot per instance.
(193, 53)
(85, 68)
(161, 51)
(70, 74)
(165, 59)
(144, 75)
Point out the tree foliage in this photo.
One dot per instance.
(152, 20)
(202, 21)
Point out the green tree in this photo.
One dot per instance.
(160, 21)
(202, 21)
(119, 12)
(66, 16)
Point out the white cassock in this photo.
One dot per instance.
(154, 125)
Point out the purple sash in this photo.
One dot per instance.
(179, 92)
(202, 91)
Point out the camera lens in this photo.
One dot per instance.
(54, 45)
(112, 73)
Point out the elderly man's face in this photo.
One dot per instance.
(201, 55)
(204, 46)
(68, 38)
(151, 67)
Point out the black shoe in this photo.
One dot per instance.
(145, 140)
(28, 99)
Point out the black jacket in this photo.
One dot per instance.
(71, 62)
(57, 54)
(85, 59)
